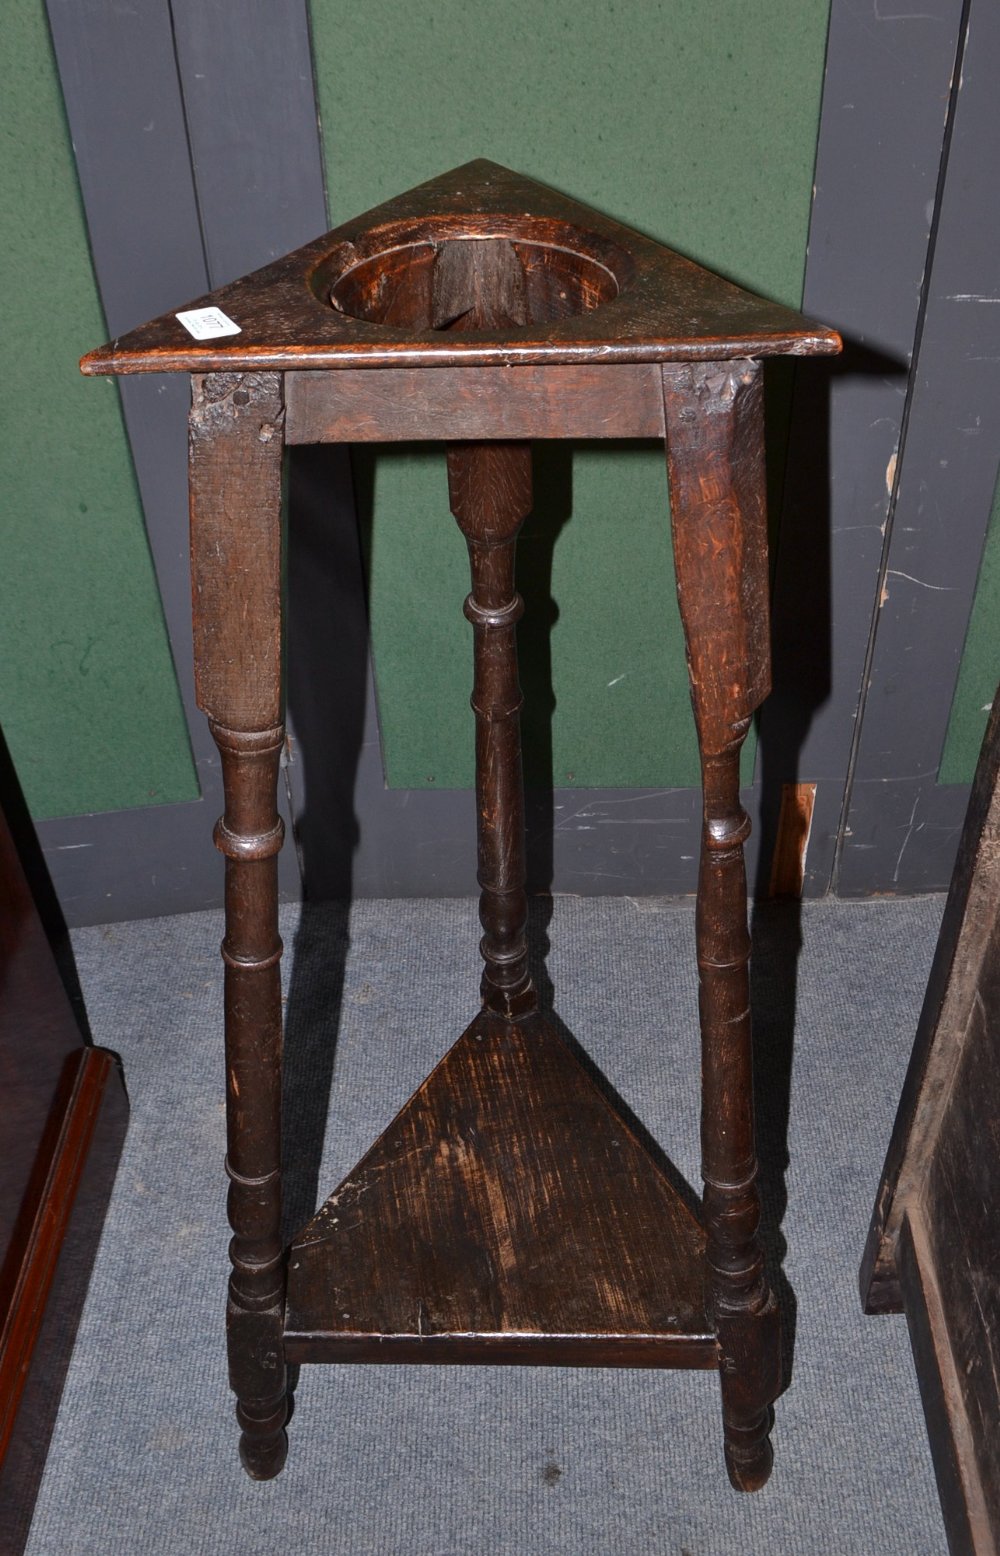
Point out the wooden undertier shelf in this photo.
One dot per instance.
(508, 1214)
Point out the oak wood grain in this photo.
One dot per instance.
(714, 417)
(655, 305)
(235, 445)
(236, 449)
(508, 1214)
(400, 404)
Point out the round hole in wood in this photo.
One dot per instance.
(491, 274)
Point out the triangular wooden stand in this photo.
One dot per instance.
(509, 1213)
(605, 293)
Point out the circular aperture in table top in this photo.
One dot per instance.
(491, 274)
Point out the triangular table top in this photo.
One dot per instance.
(596, 292)
(509, 1213)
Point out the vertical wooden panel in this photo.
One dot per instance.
(888, 76)
(153, 226)
(902, 827)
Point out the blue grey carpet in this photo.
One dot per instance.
(421, 1461)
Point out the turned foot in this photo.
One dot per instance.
(750, 1374)
(263, 1441)
(749, 1455)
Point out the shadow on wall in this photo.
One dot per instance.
(802, 672)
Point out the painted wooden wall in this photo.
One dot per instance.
(695, 123)
(88, 696)
(200, 154)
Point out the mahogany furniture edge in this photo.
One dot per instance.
(90, 1072)
(63, 1117)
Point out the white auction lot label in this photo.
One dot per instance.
(207, 323)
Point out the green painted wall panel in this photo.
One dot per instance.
(88, 695)
(696, 122)
(594, 506)
(979, 673)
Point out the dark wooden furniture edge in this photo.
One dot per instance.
(527, 353)
(924, 1090)
(934, 1245)
(90, 1073)
(963, 1503)
(47, 1272)
(63, 1115)
(511, 1350)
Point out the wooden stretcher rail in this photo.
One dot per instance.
(375, 405)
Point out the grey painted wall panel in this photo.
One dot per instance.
(119, 81)
(126, 115)
(229, 175)
(246, 76)
(888, 75)
(948, 469)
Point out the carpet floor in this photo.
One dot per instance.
(452, 1461)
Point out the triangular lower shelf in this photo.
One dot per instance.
(507, 1214)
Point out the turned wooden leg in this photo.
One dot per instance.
(744, 1308)
(236, 448)
(714, 422)
(490, 490)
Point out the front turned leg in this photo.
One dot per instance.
(235, 481)
(744, 1308)
(250, 834)
(714, 422)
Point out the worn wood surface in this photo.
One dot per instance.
(236, 451)
(934, 1244)
(400, 404)
(958, 1437)
(714, 416)
(490, 491)
(943, 1038)
(791, 842)
(508, 1214)
(236, 441)
(715, 454)
(479, 286)
(961, 1205)
(656, 305)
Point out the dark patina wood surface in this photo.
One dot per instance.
(657, 306)
(509, 1214)
(933, 1250)
(235, 488)
(715, 448)
(399, 404)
